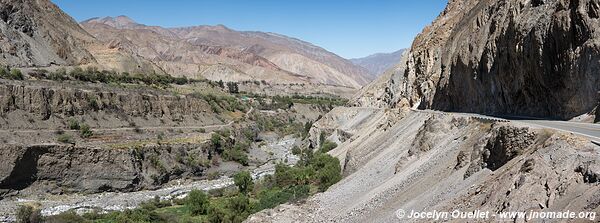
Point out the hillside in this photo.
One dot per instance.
(531, 58)
(378, 63)
(217, 52)
(39, 34)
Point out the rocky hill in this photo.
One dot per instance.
(37, 33)
(379, 62)
(532, 58)
(217, 52)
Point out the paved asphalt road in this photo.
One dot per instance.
(588, 130)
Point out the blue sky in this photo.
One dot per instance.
(350, 28)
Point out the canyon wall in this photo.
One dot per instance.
(517, 57)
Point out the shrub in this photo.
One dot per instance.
(85, 131)
(328, 146)
(73, 124)
(328, 170)
(28, 214)
(217, 213)
(197, 202)
(307, 127)
(296, 150)
(160, 136)
(240, 208)
(236, 155)
(271, 198)
(215, 139)
(58, 75)
(65, 138)
(4, 73)
(232, 87)
(15, 74)
(65, 217)
(243, 180)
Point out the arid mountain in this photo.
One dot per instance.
(378, 63)
(38, 34)
(533, 58)
(217, 52)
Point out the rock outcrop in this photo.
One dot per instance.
(385, 91)
(46, 100)
(59, 168)
(38, 33)
(517, 57)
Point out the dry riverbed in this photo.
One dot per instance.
(279, 150)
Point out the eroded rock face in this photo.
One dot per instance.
(55, 168)
(38, 33)
(472, 164)
(505, 145)
(597, 119)
(506, 57)
(46, 101)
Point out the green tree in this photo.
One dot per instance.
(197, 202)
(215, 139)
(328, 170)
(217, 214)
(240, 206)
(233, 87)
(243, 180)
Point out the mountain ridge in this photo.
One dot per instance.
(378, 63)
(294, 57)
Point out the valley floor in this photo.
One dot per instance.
(115, 201)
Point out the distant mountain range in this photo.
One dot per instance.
(378, 63)
(39, 34)
(220, 53)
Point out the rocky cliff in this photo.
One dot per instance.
(518, 57)
(38, 33)
(45, 99)
(59, 168)
(385, 91)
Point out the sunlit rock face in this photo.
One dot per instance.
(518, 57)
